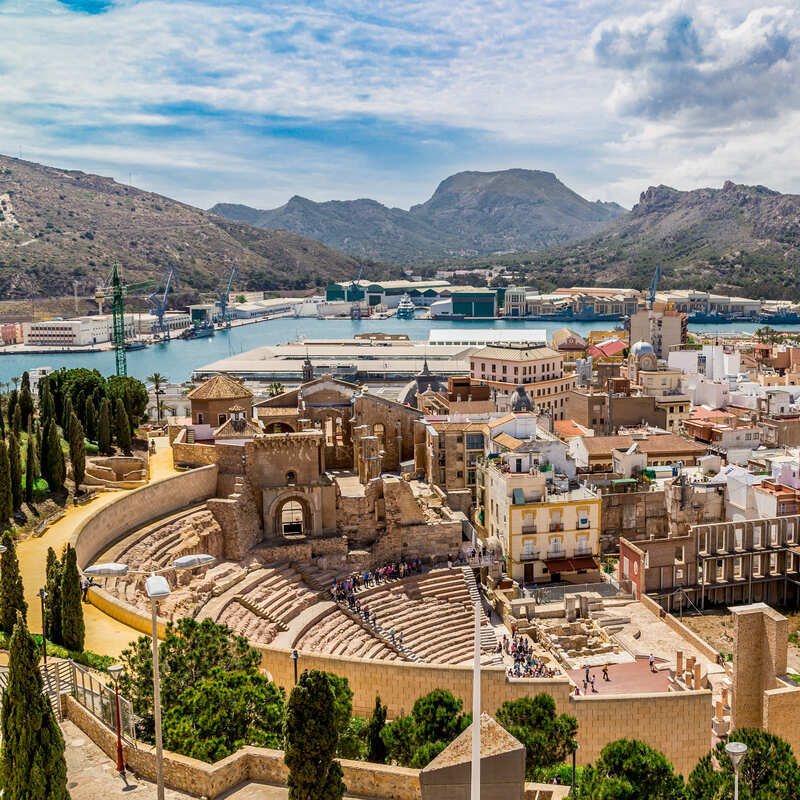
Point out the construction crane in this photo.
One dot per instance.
(158, 300)
(223, 296)
(355, 288)
(115, 289)
(651, 293)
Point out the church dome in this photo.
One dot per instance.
(642, 349)
(520, 400)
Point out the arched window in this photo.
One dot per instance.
(291, 478)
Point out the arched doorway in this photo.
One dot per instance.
(291, 520)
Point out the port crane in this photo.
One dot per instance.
(355, 289)
(651, 292)
(116, 290)
(223, 296)
(158, 300)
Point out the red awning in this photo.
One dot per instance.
(570, 564)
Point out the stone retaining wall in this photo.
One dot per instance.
(701, 644)
(363, 779)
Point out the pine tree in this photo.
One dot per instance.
(12, 597)
(25, 382)
(55, 460)
(6, 495)
(16, 421)
(311, 737)
(32, 762)
(66, 417)
(30, 468)
(90, 415)
(77, 451)
(104, 427)
(2, 418)
(15, 472)
(52, 621)
(72, 628)
(122, 427)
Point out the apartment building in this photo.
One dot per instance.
(595, 453)
(536, 369)
(547, 531)
(663, 329)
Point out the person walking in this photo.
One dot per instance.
(605, 673)
(652, 663)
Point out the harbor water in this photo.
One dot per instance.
(177, 358)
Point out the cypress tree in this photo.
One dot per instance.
(16, 422)
(77, 451)
(66, 417)
(52, 621)
(79, 406)
(90, 415)
(36, 440)
(2, 418)
(104, 427)
(311, 737)
(25, 383)
(12, 597)
(32, 761)
(47, 408)
(15, 471)
(25, 402)
(12, 404)
(6, 495)
(55, 459)
(122, 427)
(72, 628)
(30, 468)
(376, 747)
(43, 437)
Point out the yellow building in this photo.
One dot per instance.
(547, 531)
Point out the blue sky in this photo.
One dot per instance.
(253, 102)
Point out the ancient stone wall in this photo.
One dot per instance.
(634, 515)
(693, 504)
(237, 515)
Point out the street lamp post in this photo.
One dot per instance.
(43, 597)
(115, 670)
(157, 588)
(295, 656)
(574, 753)
(736, 752)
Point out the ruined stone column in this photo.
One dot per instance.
(679, 662)
(697, 677)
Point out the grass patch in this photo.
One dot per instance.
(85, 658)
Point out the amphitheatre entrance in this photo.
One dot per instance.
(291, 517)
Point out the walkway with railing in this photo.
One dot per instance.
(61, 676)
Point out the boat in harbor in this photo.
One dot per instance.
(199, 330)
(406, 308)
(135, 344)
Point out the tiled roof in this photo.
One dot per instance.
(652, 445)
(220, 387)
(238, 429)
(517, 354)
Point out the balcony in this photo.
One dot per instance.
(554, 554)
(528, 555)
(529, 529)
(556, 526)
(582, 550)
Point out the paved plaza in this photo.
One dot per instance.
(629, 678)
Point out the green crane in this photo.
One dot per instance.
(117, 291)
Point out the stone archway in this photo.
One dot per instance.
(292, 515)
(279, 427)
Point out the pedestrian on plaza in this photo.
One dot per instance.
(586, 672)
(605, 673)
(594, 691)
(652, 663)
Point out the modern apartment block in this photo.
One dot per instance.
(663, 329)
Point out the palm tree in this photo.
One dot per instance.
(16, 381)
(158, 380)
(276, 388)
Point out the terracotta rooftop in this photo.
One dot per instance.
(220, 387)
(517, 354)
(653, 444)
(238, 429)
(568, 428)
(508, 441)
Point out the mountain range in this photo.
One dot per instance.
(58, 226)
(470, 213)
(738, 239)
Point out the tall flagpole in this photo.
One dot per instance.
(475, 793)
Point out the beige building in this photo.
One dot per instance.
(663, 329)
(546, 531)
(536, 370)
(212, 400)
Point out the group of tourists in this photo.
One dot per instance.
(526, 663)
(344, 591)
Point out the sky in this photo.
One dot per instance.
(253, 102)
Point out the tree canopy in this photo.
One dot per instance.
(548, 739)
(630, 770)
(189, 653)
(219, 714)
(768, 770)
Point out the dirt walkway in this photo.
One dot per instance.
(103, 634)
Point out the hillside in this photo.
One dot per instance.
(469, 213)
(59, 226)
(738, 239)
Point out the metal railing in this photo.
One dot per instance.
(555, 594)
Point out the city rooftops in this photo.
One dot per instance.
(485, 336)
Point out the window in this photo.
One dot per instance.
(459, 474)
(291, 478)
(474, 441)
(221, 419)
(199, 419)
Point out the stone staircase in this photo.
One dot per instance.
(488, 636)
